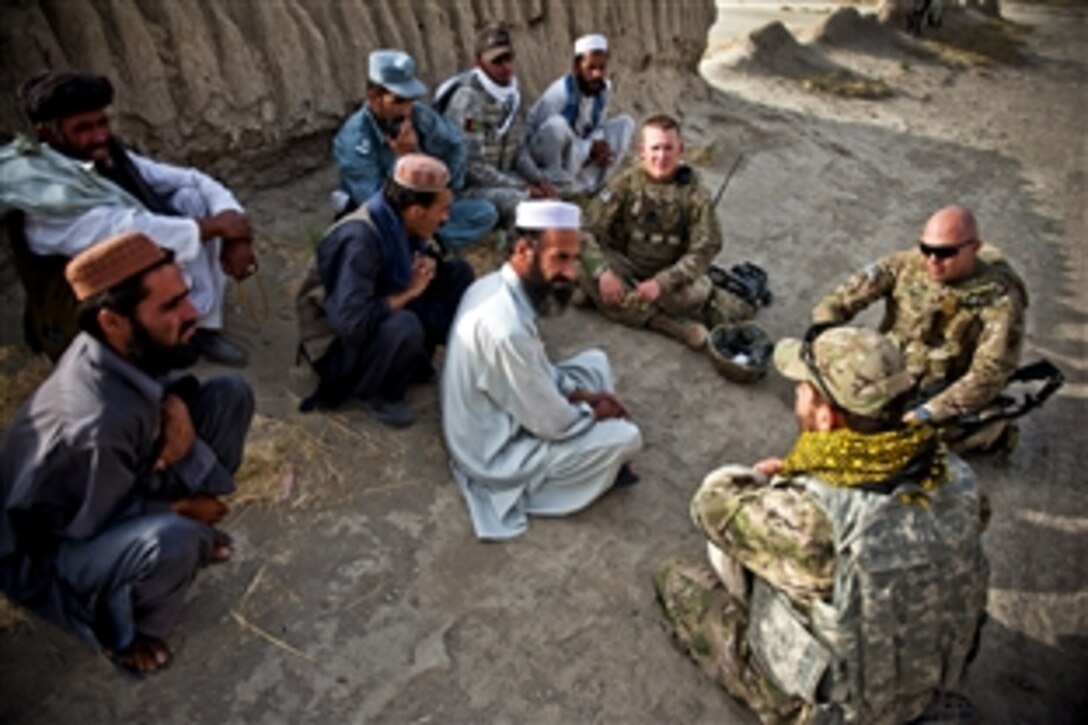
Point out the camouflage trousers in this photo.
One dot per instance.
(700, 301)
(711, 625)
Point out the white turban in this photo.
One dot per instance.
(590, 43)
(548, 215)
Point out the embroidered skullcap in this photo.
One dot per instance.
(590, 44)
(861, 369)
(420, 172)
(395, 71)
(492, 42)
(53, 95)
(548, 215)
(111, 262)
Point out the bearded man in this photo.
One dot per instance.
(526, 435)
(112, 473)
(570, 136)
(77, 184)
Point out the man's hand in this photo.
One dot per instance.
(600, 153)
(648, 290)
(542, 190)
(424, 267)
(202, 507)
(611, 288)
(605, 405)
(406, 141)
(769, 467)
(237, 258)
(178, 433)
(226, 225)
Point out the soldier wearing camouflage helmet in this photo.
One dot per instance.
(955, 308)
(847, 580)
(655, 234)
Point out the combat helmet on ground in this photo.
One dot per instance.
(741, 352)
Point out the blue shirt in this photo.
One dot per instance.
(365, 159)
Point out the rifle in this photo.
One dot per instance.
(728, 177)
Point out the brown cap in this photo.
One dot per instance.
(493, 41)
(420, 172)
(111, 262)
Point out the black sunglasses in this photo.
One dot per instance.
(943, 252)
(503, 59)
(808, 357)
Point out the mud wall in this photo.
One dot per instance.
(254, 88)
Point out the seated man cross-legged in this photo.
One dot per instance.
(655, 234)
(526, 435)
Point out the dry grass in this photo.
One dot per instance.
(12, 618)
(283, 465)
(21, 372)
(848, 85)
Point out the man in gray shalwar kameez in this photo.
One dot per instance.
(527, 436)
(112, 473)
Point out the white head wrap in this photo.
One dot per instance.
(548, 215)
(590, 43)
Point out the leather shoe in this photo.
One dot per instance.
(217, 349)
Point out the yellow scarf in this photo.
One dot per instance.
(848, 459)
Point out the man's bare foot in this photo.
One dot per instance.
(144, 656)
(222, 548)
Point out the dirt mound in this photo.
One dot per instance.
(772, 50)
(848, 28)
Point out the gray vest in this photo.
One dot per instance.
(910, 586)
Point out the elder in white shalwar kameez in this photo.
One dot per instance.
(517, 445)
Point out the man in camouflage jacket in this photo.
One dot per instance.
(847, 580)
(955, 308)
(485, 104)
(655, 234)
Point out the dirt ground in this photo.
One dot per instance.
(358, 592)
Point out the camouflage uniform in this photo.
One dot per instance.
(856, 606)
(961, 340)
(643, 228)
(499, 164)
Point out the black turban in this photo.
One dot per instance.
(53, 95)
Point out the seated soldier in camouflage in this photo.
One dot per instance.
(655, 234)
(847, 581)
(955, 308)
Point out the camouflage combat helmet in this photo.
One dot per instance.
(742, 352)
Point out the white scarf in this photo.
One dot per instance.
(509, 96)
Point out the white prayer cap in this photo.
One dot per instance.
(590, 43)
(548, 215)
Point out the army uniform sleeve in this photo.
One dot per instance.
(601, 222)
(704, 243)
(465, 111)
(357, 159)
(773, 529)
(994, 361)
(872, 283)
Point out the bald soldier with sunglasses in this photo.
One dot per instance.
(954, 307)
